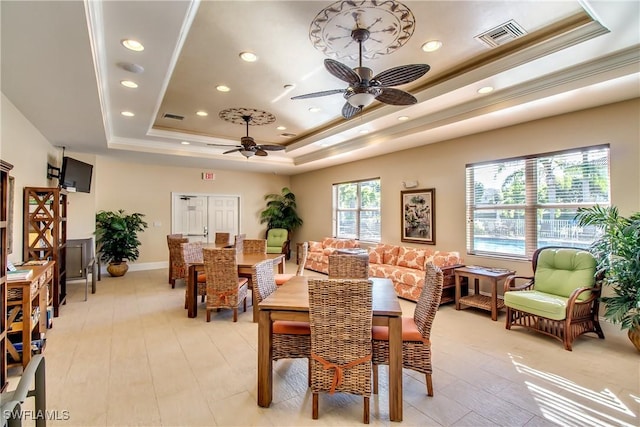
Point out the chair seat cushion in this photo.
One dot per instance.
(202, 278)
(537, 303)
(290, 327)
(281, 278)
(410, 331)
(274, 249)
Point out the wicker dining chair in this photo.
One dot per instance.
(416, 332)
(291, 339)
(252, 246)
(191, 252)
(349, 266)
(238, 242)
(224, 288)
(177, 269)
(283, 277)
(222, 238)
(340, 315)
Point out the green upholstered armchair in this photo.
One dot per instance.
(278, 241)
(561, 299)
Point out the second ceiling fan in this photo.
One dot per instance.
(248, 146)
(364, 87)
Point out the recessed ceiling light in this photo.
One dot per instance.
(485, 89)
(129, 84)
(314, 110)
(127, 114)
(134, 45)
(248, 56)
(403, 118)
(281, 128)
(202, 113)
(185, 143)
(222, 88)
(432, 45)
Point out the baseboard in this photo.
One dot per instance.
(141, 266)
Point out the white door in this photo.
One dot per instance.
(199, 216)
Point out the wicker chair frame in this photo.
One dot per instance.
(340, 314)
(281, 278)
(238, 242)
(177, 269)
(192, 253)
(416, 355)
(349, 266)
(581, 316)
(224, 288)
(222, 238)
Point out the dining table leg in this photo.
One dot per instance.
(395, 368)
(192, 292)
(265, 371)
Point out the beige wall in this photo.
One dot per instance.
(442, 166)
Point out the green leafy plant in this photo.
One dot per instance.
(281, 211)
(117, 235)
(617, 251)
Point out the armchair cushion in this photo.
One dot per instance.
(560, 272)
(276, 240)
(538, 303)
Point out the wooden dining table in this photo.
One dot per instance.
(291, 302)
(243, 260)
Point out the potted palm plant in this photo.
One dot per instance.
(117, 239)
(617, 251)
(281, 211)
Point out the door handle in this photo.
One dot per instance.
(206, 231)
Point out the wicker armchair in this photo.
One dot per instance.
(561, 300)
(192, 253)
(222, 238)
(349, 266)
(416, 331)
(340, 314)
(283, 277)
(224, 288)
(291, 339)
(177, 269)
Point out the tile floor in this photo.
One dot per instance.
(130, 356)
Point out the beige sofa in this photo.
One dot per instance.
(405, 267)
(318, 255)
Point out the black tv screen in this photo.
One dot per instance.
(76, 175)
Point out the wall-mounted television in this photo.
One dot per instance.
(75, 175)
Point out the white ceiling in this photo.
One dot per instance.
(62, 67)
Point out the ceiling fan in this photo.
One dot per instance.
(364, 87)
(248, 146)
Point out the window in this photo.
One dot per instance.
(515, 206)
(356, 210)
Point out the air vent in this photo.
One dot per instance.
(502, 34)
(172, 116)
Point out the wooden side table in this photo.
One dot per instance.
(490, 303)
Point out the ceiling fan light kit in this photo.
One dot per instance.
(365, 87)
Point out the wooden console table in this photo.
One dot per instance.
(27, 309)
(490, 303)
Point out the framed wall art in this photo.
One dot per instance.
(418, 216)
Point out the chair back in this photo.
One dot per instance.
(304, 250)
(238, 242)
(349, 266)
(340, 316)
(429, 299)
(263, 280)
(559, 271)
(222, 238)
(175, 256)
(255, 246)
(191, 252)
(221, 269)
(276, 238)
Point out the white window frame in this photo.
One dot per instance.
(358, 210)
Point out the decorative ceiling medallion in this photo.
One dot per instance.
(390, 23)
(236, 115)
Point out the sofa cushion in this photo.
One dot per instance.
(376, 255)
(561, 271)
(411, 257)
(315, 246)
(390, 253)
(538, 303)
(444, 259)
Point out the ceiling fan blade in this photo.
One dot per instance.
(341, 71)
(224, 145)
(349, 110)
(401, 75)
(323, 93)
(395, 97)
(232, 151)
(271, 147)
(261, 152)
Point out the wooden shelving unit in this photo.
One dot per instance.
(45, 234)
(4, 230)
